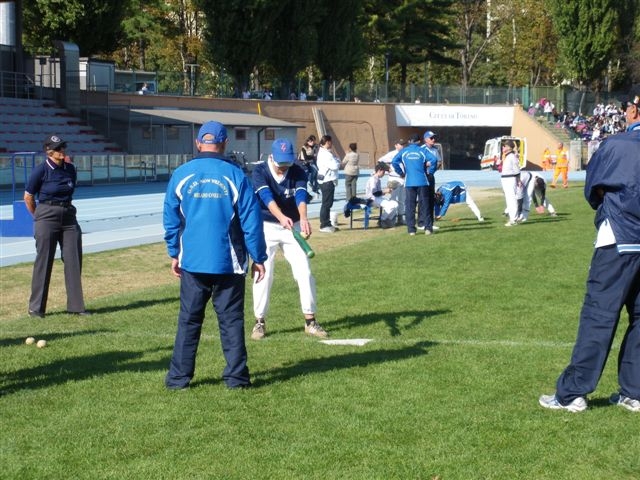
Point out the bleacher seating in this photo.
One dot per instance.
(24, 124)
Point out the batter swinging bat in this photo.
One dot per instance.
(303, 243)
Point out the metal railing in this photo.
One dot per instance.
(94, 169)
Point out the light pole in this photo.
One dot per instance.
(192, 67)
(386, 76)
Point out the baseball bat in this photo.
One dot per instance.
(306, 248)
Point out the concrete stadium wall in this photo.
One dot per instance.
(371, 125)
(538, 137)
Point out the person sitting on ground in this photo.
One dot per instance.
(454, 192)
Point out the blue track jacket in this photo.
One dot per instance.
(452, 192)
(613, 187)
(211, 217)
(411, 162)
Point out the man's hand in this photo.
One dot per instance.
(257, 272)
(175, 267)
(305, 228)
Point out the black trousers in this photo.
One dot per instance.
(57, 225)
(328, 190)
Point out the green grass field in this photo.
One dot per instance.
(468, 328)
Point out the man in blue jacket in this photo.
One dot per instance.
(434, 162)
(212, 225)
(611, 187)
(411, 164)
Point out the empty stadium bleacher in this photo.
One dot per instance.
(24, 124)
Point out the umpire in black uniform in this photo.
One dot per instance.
(54, 182)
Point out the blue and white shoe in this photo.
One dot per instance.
(629, 403)
(578, 404)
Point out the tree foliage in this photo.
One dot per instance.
(94, 25)
(411, 32)
(588, 33)
(276, 42)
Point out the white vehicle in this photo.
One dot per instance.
(493, 150)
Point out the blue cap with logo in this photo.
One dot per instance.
(428, 134)
(282, 151)
(212, 132)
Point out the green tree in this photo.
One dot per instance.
(93, 25)
(341, 49)
(292, 38)
(235, 38)
(588, 33)
(410, 32)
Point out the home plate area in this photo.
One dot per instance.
(358, 342)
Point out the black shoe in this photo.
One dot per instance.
(36, 314)
(84, 313)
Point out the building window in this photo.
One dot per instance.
(173, 133)
(269, 134)
(241, 134)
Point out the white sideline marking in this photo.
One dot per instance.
(347, 341)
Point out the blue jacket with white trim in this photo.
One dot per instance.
(452, 192)
(411, 163)
(211, 217)
(612, 187)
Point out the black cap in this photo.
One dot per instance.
(53, 141)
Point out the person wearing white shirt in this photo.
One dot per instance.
(375, 193)
(396, 182)
(510, 179)
(328, 166)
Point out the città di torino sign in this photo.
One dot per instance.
(454, 116)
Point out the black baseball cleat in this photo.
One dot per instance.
(84, 313)
(36, 314)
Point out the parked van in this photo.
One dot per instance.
(493, 150)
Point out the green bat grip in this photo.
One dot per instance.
(303, 243)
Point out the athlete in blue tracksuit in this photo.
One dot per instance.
(612, 187)
(454, 192)
(434, 162)
(212, 225)
(411, 164)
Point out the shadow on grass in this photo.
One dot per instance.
(390, 319)
(134, 305)
(336, 362)
(7, 342)
(80, 368)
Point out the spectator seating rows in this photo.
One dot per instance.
(25, 123)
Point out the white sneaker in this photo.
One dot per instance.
(328, 229)
(259, 331)
(629, 403)
(435, 228)
(578, 404)
(315, 330)
(510, 224)
(481, 219)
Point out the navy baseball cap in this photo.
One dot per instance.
(429, 134)
(282, 151)
(212, 132)
(632, 98)
(53, 141)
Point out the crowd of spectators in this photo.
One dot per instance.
(605, 120)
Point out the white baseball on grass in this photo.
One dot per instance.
(30, 341)
(41, 343)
